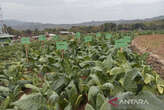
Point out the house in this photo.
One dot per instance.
(66, 33)
(6, 37)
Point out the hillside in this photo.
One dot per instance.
(21, 25)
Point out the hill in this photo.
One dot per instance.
(21, 25)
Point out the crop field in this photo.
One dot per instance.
(84, 72)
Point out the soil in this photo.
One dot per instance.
(154, 45)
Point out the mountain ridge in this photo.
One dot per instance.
(22, 25)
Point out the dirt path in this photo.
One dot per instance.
(154, 44)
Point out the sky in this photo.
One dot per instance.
(77, 11)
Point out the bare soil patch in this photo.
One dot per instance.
(153, 44)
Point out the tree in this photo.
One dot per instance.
(109, 27)
(36, 32)
(28, 32)
(138, 26)
(10, 30)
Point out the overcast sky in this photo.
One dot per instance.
(76, 11)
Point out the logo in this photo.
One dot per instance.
(112, 102)
(116, 102)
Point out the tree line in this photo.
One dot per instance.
(107, 27)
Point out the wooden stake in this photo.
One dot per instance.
(88, 44)
(73, 37)
(78, 40)
(62, 53)
(26, 49)
(121, 49)
(42, 43)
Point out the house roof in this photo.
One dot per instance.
(6, 36)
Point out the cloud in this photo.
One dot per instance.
(73, 11)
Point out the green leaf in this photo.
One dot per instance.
(68, 107)
(160, 89)
(1, 98)
(72, 92)
(58, 83)
(94, 80)
(129, 82)
(160, 85)
(99, 101)
(53, 98)
(121, 81)
(93, 91)
(97, 68)
(89, 107)
(116, 71)
(4, 89)
(79, 99)
(108, 86)
(148, 78)
(127, 67)
(5, 103)
(106, 106)
(30, 86)
(124, 95)
(23, 82)
(154, 103)
(108, 63)
(86, 63)
(30, 102)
